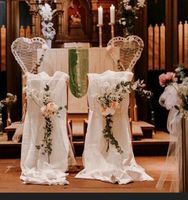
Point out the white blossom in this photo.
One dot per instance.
(46, 13)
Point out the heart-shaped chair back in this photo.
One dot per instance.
(131, 48)
(25, 52)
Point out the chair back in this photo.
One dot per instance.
(131, 49)
(25, 52)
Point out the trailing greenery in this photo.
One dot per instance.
(48, 110)
(110, 101)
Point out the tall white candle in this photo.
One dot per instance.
(100, 15)
(112, 14)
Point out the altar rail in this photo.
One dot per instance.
(156, 46)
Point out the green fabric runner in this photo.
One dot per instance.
(78, 69)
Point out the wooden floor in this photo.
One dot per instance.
(10, 182)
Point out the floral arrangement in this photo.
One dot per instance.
(49, 109)
(9, 100)
(179, 81)
(110, 101)
(46, 13)
(128, 13)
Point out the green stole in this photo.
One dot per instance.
(78, 69)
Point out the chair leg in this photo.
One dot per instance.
(70, 135)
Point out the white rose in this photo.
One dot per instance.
(43, 110)
(52, 107)
(106, 85)
(109, 48)
(128, 7)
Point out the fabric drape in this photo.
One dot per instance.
(109, 166)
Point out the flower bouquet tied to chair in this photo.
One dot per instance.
(175, 99)
(179, 81)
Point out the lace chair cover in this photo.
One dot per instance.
(109, 166)
(131, 49)
(35, 166)
(25, 52)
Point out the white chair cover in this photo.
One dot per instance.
(109, 166)
(34, 165)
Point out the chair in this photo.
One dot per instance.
(131, 49)
(54, 90)
(24, 51)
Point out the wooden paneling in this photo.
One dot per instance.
(3, 48)
(156, 46)
(13, 70)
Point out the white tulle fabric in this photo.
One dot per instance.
(109, 166)
(34, 165)
(173, 164)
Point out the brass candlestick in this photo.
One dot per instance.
(112, 29)
(100, 34)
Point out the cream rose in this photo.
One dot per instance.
(49, 110)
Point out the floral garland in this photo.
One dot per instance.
(128, 13)
(179, 81)
(110, 102)
(48, 110)
(46, 13)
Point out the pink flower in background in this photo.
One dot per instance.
(165, 79)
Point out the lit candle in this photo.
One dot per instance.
(100, 15)
(55, 1)
(112, 14)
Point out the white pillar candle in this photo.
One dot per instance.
(100, 15)
(112, 14)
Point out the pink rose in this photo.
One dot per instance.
(114, 105)
(165, 79)
(162, 80)
(49, 109)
